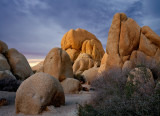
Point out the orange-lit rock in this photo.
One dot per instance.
(128, 41)
(83, 42)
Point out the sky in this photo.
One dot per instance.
(34, 27)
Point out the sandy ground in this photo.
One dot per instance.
(70, 108)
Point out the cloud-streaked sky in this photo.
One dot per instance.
(34, 27)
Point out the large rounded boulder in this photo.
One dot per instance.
(58, 64)
(19, 64)
(37, 92)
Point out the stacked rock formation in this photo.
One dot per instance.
(13, 64)
(84, 49)
(126, 41)
(79, 41)
(58, 64)
(80, 48)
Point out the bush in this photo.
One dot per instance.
(114, 98)
(151, 63)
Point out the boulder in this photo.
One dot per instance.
(83, 56)
(83, 42)
(90, 74)
(73, 54)
(38, 67)
(146, 46)
(138, 58)
(102, 68)
(127, 66)
(123, 38)
(112, 61)
(151, 35)
(129, 37)
(6, 74)
(3, 47)
(112, 47)
(141, 80)
(114, 34)
(157, 55)
(82, 63)
(71, 85)
(19, 64)
(58, 64)
(90, 47)
(3, 63)
(37, 92)
(104, 59)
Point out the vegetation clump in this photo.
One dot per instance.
(116, 96)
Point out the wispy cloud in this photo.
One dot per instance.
(35, 26)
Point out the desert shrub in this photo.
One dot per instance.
(113, 97)
(151, 63)
(87, 110)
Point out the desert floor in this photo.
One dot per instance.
(70, 108)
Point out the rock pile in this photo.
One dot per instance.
(126, 41)
(13, 66)
(81, 41)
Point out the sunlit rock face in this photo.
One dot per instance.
(81, 41)
(125, 37)
(58, 64)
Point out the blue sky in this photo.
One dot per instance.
(35, 26)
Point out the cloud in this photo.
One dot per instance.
(35, 26)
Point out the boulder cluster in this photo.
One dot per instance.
(13, 67)
(79, 41)
(80, 51)
(80, 59)
(127, 41)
